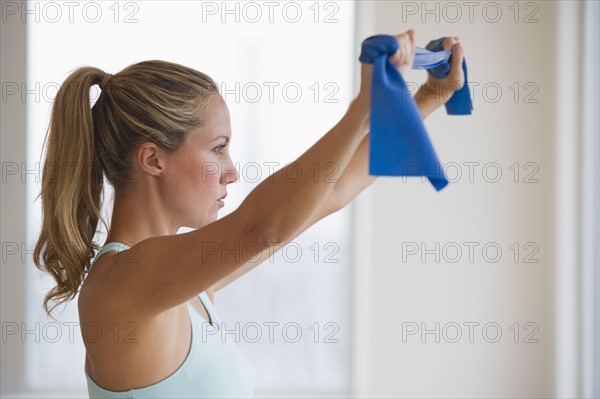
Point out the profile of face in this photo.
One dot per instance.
(195, 178)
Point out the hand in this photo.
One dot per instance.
(445, 88)
(405, 56)
(403, 60)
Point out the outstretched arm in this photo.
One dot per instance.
(354, 177)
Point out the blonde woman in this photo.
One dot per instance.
(160, 133)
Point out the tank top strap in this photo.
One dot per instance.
(212, 312)
(111, 246)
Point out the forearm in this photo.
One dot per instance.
(356, 177)
(430, 96)
(284, 201)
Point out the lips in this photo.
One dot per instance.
(220, 201)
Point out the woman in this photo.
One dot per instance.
(159, 132)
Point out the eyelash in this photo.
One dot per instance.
(219, 147)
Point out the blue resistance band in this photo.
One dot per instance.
(399, 144)
(460, 103)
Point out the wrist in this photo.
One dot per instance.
(360, 109)
(440, 90)
(366, 81)
(433, 94)
(427, 100)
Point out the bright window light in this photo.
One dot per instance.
(285, 70)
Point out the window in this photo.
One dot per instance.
(285, 71)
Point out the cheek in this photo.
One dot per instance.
(206, 175)
(189, 173)
(208, 170)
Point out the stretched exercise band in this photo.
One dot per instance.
(460, 102)
(399, 144)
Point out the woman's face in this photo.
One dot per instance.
(198, 174)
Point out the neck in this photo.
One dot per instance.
(134, 220)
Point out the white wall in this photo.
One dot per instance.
(265, 135)
(504, 134)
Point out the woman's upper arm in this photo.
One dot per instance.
(162, 272)
(330, 206)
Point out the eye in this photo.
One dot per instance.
(219, 148)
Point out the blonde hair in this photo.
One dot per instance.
(155, 101)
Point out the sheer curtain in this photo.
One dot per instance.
(285, 71)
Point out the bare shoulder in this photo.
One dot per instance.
(95, 288)
(93, 280)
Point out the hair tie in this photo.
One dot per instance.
(105, 80)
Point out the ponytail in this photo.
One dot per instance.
(71, 188)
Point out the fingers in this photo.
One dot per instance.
(406, 43)
(450, 41)
(456, 71)
(404, 57)
(457, 56)
(453, 43)
(411, 36)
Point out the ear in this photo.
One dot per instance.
(151, 159)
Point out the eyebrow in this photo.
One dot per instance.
(223, 137)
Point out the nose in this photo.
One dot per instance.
(229, 173)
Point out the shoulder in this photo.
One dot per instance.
(97, 283)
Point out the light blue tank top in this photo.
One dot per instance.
(214, 367)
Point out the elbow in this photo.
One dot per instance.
(261, 230)
(276, 229)
(268, 236)
(335, 202)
